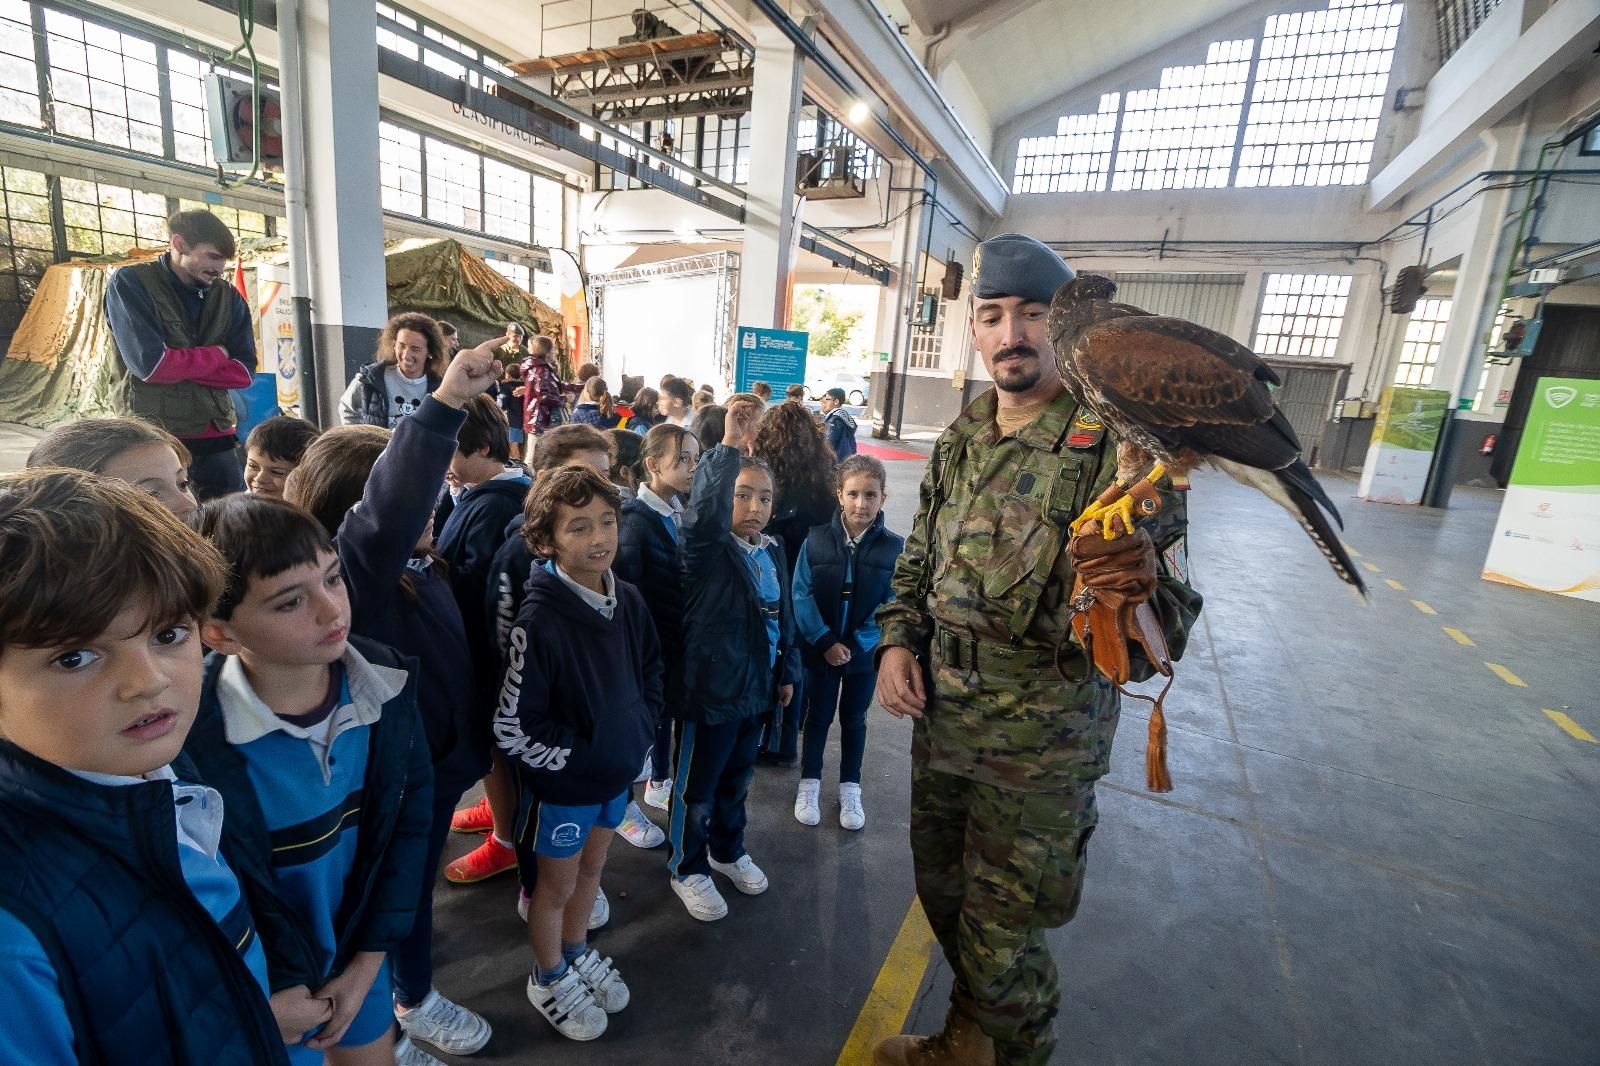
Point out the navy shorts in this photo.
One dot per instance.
(560, 832)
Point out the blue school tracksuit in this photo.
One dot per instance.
(839, 584)
(740, 648)
(329, 822)
(647, 558)
(124, 936)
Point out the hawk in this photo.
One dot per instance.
(1177, 395)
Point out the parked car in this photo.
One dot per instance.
(856, 387)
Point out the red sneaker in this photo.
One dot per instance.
(473, 819)
(481, 863)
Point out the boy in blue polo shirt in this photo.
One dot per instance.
(315, 742)
(110, 874)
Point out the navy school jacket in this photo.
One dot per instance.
(582, 693)
(376, 542)
(647, 558)
(823, 615)
(726, 678)
(380, 904)
(469, 541)
(93, 872)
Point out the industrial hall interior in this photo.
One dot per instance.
(1053, 532)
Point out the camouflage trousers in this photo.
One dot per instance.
(995, 868)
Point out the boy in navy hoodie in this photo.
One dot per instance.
(841, 578)
(314, 740)
(124, 935)
(738, 661)
(576, 719)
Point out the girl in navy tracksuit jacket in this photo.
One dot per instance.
(647, 558)
(401, 594)
(840, 580)
(737, 664)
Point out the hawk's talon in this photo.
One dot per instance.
(1122, 509)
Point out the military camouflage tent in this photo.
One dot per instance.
(56, 369)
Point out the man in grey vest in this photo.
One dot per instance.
(184, 337)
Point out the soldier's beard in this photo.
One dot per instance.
(1019, 376)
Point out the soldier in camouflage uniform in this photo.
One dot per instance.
(1005, 753)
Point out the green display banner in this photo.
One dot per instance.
(1548, 533)
(1403, 439)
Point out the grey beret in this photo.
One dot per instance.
(1010, 264)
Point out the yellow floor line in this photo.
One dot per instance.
(1506, 675)
(1424, 608)
(1571, 728)
(1371, 567)
(1353, 553)
(1392, 583)
(892, 993)
(1460, 637)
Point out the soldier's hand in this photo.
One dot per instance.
(900, 688)
(837, 655)
(785, 694)
(469, 373)
(1125, 567)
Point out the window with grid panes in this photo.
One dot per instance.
(1319, 91)
(191, 130)
(19, 72)
(547, 289)
(400, 169)
(104, 84)
(1182, 135)
(516, 273)
(29, 242)
(927, 345)
(455, 175)
(106, 219)
(394, 43)
(1301, 314)
(1419, 351)
(507, 200)
(547, 206)
(1076, 159)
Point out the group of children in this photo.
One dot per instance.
(242, 844)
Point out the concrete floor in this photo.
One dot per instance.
(1378, 851)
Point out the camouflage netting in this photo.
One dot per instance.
(56, 369)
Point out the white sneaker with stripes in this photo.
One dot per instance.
(603, 980)
(568, 1004)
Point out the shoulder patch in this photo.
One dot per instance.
(1087, 429)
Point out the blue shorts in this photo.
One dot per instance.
(560, 832)
(375, 1018)
(516, 435)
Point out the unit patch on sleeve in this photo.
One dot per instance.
(1087, 429)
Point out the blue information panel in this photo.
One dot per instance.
(776, 356)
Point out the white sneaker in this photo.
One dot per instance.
(638, 830)
(599, 914)
(408, 1054)
(807, 808)
(603, 980)
(701, 897)
(852, 815)
(568, 1005)
(747, 876)
(658, 794)
(448, 1026)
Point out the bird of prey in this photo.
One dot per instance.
(1176, 395)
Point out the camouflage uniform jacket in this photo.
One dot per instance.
(981, 597)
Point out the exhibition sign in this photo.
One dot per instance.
(1403, 439)
(1548, 533)
(776, 356)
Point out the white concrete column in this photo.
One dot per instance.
(770, 200)
(338, 110)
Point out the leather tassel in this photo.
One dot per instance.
(1156, 777)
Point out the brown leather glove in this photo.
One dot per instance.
(1121, 571)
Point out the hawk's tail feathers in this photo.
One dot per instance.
(1316, 525)
(1298, 475)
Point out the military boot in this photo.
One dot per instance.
(959, 1043)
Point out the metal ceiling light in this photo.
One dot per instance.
(859, 112)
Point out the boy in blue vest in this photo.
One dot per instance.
(314, 739)
(124, 934)
(738, 662)
(841, 578)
